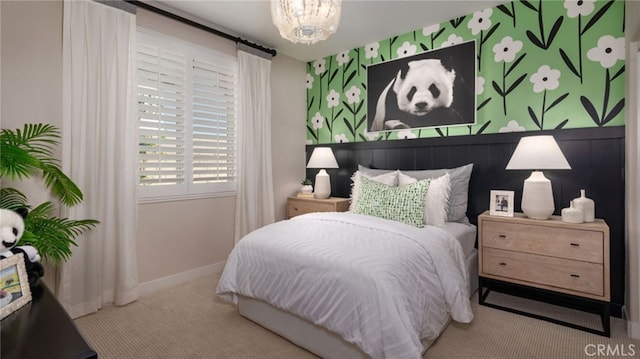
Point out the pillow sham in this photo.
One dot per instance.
(373, 171)
(403, 204)
(436, 201)
(389, 178)
(459, 196)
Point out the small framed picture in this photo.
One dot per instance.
(501, 203)
(14, 285)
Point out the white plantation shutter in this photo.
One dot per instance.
(214, 145)
(186, 119)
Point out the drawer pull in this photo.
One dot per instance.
(575, 275)
(575, 244)
(503, 236)
(502, 263)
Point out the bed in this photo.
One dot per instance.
(356, 284)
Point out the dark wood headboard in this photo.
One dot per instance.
(596, 156)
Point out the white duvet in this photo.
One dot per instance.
(380, 284)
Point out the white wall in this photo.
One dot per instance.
(288, 130)
(31, 81)
(633, 169)
(175, 239)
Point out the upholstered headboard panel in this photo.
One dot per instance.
(596, 156)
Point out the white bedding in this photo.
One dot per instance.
(465, 233)
(381, 285)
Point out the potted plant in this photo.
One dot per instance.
(306, 186)
(26, 153)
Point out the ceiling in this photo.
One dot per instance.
(362, 21)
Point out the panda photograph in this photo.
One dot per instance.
(431, 89)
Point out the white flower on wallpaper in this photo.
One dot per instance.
(341, 138)
(512, 126)
(406, 135)
(608, 51)
(342, 58)
(317, 121)
(371, 50)
(309, 141)
(576, 8)
(507, 49)
(453, 39)
(353, 94)
(371, 136)
(481, 20)
(480, 85)
(319, 65)
(333, 98)
(309, 81)
(430, 29)
(545, 78)
(406, 49)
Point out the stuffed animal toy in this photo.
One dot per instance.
(11, 230)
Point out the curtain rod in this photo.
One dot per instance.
(201, 26)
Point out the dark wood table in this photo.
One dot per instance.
(42, 329)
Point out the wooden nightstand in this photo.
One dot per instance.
(297, 205)
(560, 263)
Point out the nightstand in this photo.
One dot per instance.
(560, 263)
(298, 205)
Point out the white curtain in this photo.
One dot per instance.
(254, 201)
(99, 145)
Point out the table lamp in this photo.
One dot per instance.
(537, 153)
(322, 157)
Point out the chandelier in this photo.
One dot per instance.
(306, 21)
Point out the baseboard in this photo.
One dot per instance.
(155, 285)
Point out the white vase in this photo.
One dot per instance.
(306, 188)
(572, 214)
(587, 205)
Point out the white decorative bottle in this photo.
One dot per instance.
(572, 214)
(587, 206)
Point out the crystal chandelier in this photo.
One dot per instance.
(306, 21)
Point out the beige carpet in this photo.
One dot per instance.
(189, 321)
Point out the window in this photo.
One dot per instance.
(186, 119)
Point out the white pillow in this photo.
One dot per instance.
(437, 199)
(390, 179)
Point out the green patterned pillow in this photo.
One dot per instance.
(404, 204)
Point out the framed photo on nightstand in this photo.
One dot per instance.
(14, 285)
(501, 203)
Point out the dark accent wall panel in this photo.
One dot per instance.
(596, 156)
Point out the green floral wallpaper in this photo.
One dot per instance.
(541, 65)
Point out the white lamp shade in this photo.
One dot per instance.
(538, 153)
(322, 157)
(306, 21)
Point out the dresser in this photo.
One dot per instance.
(42, 329)
(560, 263)
(299, 205)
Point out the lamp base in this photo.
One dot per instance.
(322, 185)
(537, 197)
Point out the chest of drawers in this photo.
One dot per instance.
(550, 255)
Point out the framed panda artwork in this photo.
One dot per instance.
(431, 89)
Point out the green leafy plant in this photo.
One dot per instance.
(28, 152)
(306, 182)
